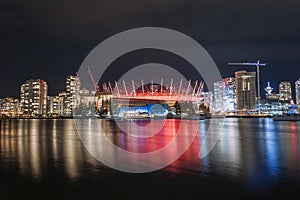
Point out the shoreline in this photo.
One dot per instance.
(43, 118)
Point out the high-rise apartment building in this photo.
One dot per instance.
(285, 91)
(297, 89)
(72, 89)
(229, 86)
(57, 105)
(33, 97)
(245, 91)
(225, 95)
(218, 97)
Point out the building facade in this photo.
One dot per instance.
(33, 98)
(297, 90)
(245, 91)
(229, 86)
(58, 106)
(285, 91)
(10, 107)
(72, 90)
(218, 97)
(51, 106)
(225, 95)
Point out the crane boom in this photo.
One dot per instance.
(96, 88)
(248, 64)
(258, 65)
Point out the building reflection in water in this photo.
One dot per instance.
(225, 157)
(291, 141)
(294, 145)
(230, 147)
(271, 146)
(22, 146)
(120, 149)
(36, 146)
(258, 150)
(55, 141)
(72, 151)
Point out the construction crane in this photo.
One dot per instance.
(258, 65)
(96, 87)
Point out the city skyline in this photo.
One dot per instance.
(230, 95)
(263, 84)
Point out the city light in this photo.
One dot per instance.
(233, 96)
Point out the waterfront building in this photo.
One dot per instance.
(104, 104)
(121, 95)
(297, 90)
(245, 91)
(58, 105)
(225, 95)
(273, 97)
(10, 107)
(218, 97)
(285, 91)
(63, 104)
(207, 99)
(51, 106)
(229, 86)
(72, 89)
(33, 98)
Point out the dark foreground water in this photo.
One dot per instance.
(254, 158)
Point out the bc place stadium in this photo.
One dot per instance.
(172, 99)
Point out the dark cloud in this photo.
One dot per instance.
(50, 38)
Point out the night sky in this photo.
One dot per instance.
(49, 39)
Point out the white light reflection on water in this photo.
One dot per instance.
(72, 154)
(246, 151)
(271, 145)
(35, 149)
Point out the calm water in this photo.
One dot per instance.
(253, 158)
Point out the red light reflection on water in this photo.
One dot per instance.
(169, 130)
(294, 142)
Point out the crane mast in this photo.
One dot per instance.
(258, 65)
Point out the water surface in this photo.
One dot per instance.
(253, 157)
